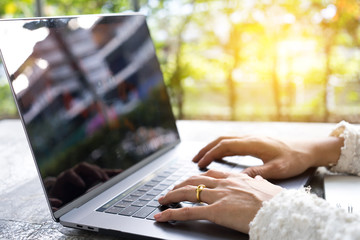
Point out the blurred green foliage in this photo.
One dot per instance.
(7, 105)
(283, 60)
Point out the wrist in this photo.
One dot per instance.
(327, 151)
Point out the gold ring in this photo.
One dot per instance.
(198, 191)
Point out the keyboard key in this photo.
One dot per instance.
(130, 199)
(144, 212)
(129, 210)
(153, 203)
(166, 173)
(171, 205)
(114, 210)
(160, 195)
(161, 187)
(140, 203)
(168, 182)
(122, 204)
(143, 203)
(151, 216)
(154, 192)
(173, 178)
(174, 168)
(158, 179)
(162, 208)
(177, 175)
(151, 184)
(147, 197)
(137, 193)
(145, 188)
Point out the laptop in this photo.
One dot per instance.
(342, 191)
(95, 109)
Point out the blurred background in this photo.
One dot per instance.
(250, 60)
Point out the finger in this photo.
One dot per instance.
(207, 148)
(187, 193)
(216, 174)
(71, 177)
(230, 147)
(89, 172)
(197, 180)
(266, 171)
(184, 214)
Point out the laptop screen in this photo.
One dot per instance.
(91, 95)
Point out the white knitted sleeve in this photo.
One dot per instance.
(295, 214)
(349, 161)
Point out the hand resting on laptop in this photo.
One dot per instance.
(248, 203)
(281, 159)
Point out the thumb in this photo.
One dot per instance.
(266, 171)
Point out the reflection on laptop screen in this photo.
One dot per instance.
(91, 95)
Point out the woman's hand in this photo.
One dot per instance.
(233, 199)
(281, 160)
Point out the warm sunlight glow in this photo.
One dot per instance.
(251, 60)
(86, 22)
(18, 46)
(297, 56)
(20, 83)
(42, 63)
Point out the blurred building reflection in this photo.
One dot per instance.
(92, 91)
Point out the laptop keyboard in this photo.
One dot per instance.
(141, 201)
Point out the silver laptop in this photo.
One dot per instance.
(343, 191)
(97, 116)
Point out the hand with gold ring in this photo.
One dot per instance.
(232, 199)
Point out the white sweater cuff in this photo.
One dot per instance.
(295, 214)
(349, 161)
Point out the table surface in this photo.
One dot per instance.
(23, 210)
